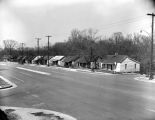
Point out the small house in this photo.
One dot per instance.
(6, 58)
(95, 60)
(24, 59)
(29, 59)
(119, 63)
(19, 59)
(56, 60)
(83, 62)
(40, 60)
(45, 59)
(14, 58)
(70, 61)
(35, 60)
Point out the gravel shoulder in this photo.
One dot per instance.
(16, 113)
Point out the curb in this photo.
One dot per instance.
(9, 84)
(35, 114)
(5, 86)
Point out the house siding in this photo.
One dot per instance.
(61, 63)
(118, 67)
(100, 65)
(130, 66)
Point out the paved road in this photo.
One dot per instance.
(83, 95)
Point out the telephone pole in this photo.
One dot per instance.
(151, 56)
(48, 36)
(22, 48)
(38, 44)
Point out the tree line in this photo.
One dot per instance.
(88, 42)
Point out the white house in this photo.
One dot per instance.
(56, 60)
(35, 59)
(120, 63)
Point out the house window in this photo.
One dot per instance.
(125, 66)
(135, 66)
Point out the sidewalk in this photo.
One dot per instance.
(16, 113)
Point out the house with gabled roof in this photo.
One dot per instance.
(6, 57)
(35, 60)
(24, 59)
(119, 63)
(83, 62)
(56, 60)
(30, 58)
(45, 59)
(69, 61)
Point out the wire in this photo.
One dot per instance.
(107, 28)
(130, 20)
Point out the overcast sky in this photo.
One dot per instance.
(24, 20)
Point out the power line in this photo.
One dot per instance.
(22, 49)
(118, 24)
(135, 27)
(125, 21)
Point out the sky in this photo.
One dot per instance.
(25, 20)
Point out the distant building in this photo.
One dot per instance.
(69, 61)
(35, 60)
(119, 63)
(6, 58)
(30, 59)
(46, 59)
(56, 60)
(83, 62)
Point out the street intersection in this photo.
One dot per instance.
(83, 95)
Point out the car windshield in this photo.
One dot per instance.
(77, 60)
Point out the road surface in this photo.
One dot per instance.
(83, 95)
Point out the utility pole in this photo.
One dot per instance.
(22, 52)
(22, 48)
(48, 36)
(38, 44)
(91, 54)
(91, 59)
(27, 50)
(151, 56)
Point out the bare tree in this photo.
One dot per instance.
(9, 45)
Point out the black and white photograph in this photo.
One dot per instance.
(77, 60)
